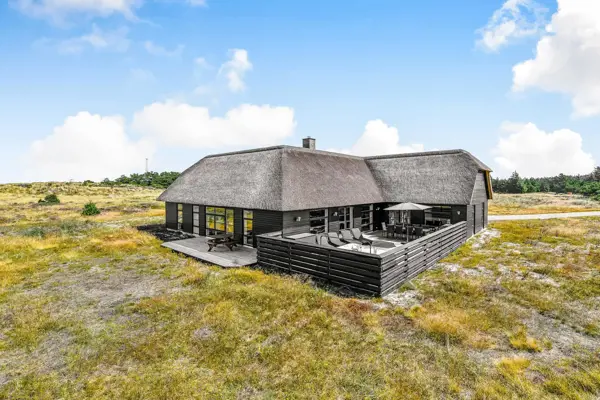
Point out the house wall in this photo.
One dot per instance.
(188, 218)
(267, 221)
(480, 201)
(171, 215)
(291, 227)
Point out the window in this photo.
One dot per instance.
(248, 225)
(196, 215)
(179, 216)
(219, 220)
(317, 221)
(366, 218)
(344, 218)
(438, 215)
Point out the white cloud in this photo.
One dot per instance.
(97, 39)
(160, 51)
(235, 69)
(515, 19)
(201, 62)
(180, 124)
(567, 58)
(142, 75)
(87, 146)
(534, 153)
(58, 10)
(379, 138)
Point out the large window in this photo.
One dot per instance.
(219, 220)
(344, 218)
(179, 216)
(248, 226)
(439, 214)
(196, 215)
(317, 221)
(366, 217)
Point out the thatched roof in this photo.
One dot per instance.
(279, 178)
(286, 178)
(435, 177)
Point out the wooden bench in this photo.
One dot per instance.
(217, 240)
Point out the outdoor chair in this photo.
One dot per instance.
(334, 239)
(390, 229)
(384, 228)
(318, 238)
(399, 230)
(418, 232)
(346, 236)
(357, 234)
(323, 240)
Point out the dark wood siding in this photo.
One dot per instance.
(267, 221)
(356, 216)
(292, 227)
(238, 224)
(470, 220)
(459, 213)
(333, 221)
(188, 218)
(480, 200)
(202, 221)
(171, 215)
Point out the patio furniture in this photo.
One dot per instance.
(390, 229)
(384, 228)
(225, 239)
(334, 239)
(398, 230)
(418, 232)
(346, 236)
(357, 234)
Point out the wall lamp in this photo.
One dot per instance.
(297, 219)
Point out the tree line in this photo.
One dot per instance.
(152, 179)
(587, 185)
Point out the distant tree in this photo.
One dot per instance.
(514, 184)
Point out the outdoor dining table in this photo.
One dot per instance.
(222, 238)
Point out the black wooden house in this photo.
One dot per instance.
(303, 190)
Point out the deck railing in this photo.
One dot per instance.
(362, 272)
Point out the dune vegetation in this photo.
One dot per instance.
(91, 307)
(540, 203)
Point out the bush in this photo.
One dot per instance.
(35, 231)
(50, 199)
(90, 209)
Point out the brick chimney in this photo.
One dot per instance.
(309, 143)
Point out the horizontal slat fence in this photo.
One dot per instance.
(358, 271)
(362, 272)
(406, 262)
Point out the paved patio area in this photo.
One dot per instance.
(241, 256)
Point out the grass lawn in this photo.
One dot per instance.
(540, 203)
(92, 308)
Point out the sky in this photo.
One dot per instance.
(91, 88)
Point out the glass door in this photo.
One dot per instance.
(248, 226)
(344, 218)
(196, 220)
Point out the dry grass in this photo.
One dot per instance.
(93, 308)
(540, 203)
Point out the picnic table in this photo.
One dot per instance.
(225, 239)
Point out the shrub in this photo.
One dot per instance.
(35, 231)
(50, 199)
(520, 341)
(90, 209)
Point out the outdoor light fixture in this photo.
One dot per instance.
(458, 212)
(335, 214)
(297, 219)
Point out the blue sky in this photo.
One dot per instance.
(89, 89)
